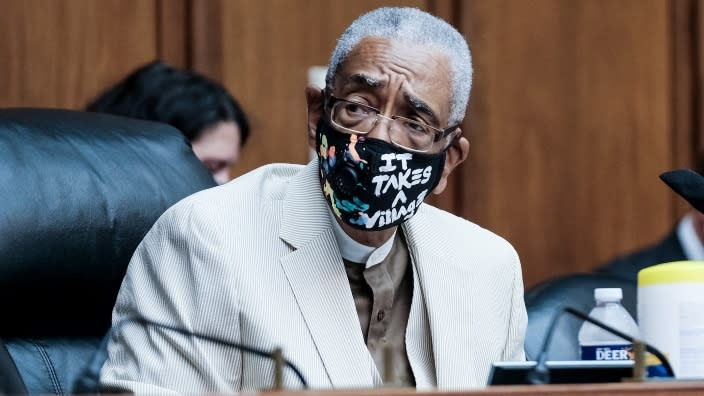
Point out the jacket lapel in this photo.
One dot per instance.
(418, 340)
(449, 294)
(317, 276)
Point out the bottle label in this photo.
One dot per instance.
(607, 352)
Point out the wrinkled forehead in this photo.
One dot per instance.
(382, 65)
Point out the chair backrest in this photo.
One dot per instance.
(79, 191)
(10, 379)
(576, 291)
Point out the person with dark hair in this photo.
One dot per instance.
(684, 242)
(207, 115)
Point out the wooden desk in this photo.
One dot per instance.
(673, 388)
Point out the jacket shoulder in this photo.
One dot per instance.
(268, 182)
(243, 196)
(469, 240)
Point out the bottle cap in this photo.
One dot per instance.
(610, 294)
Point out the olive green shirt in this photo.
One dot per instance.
(382, 294)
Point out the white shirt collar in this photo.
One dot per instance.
(689, 239)
(356, 252)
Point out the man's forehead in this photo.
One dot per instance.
(374, 61)
(374, 57)
(368, 80)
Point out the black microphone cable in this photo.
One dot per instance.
(541, 374)
(92, 372)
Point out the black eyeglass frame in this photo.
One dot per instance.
(330, 100)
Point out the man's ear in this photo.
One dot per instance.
(455, 155)
(314, 100)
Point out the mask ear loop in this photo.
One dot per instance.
(443, 157)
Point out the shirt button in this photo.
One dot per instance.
(380, 316)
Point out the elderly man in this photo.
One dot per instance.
(337, 262)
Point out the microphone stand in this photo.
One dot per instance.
(541, 373)
(276, 355)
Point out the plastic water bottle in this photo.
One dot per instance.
(598, 344)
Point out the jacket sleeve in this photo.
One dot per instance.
(171, 280)
(514, 348)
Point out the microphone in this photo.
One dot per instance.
(540, 374)
(88, 381)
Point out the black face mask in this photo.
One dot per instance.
(371, 184)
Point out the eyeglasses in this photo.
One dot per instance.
(352, 117)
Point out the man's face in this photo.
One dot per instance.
(399, 79)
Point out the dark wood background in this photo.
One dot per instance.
(576, 109)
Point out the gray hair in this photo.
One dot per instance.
(414, 26)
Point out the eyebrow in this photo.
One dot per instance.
(422, 107)
(367, 80)
(415, 103)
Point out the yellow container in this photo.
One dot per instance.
(671, 313)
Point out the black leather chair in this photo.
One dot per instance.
(576, 291)
(78, 191)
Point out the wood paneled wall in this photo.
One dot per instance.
(571, 123)
(262, 49)
(62, 53)
(576, 109)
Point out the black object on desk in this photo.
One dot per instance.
(562, 372)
